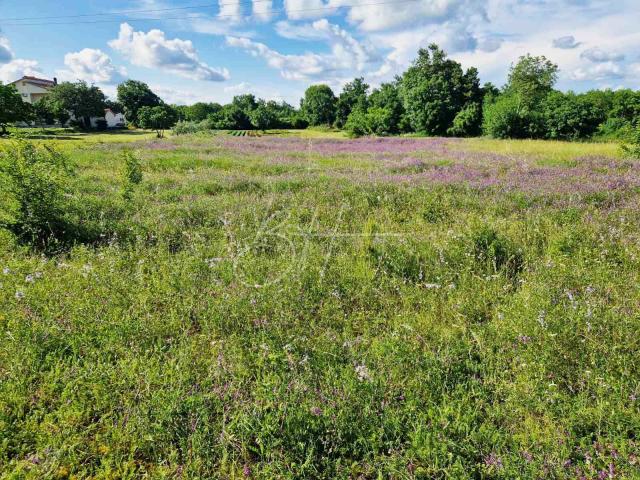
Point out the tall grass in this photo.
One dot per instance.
(283, 309)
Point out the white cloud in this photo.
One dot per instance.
(6, 55)
(242, 87)
(298, 31)
(17, 68)
(387, 15)
(230, 10)
(566, 43)
(154, 50)
(347, 56)
(263, 9)
(598, 55)
(599, 72)
(299, 9)
(91, 65)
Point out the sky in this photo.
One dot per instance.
(211, 50)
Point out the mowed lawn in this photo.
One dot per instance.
(292, 306)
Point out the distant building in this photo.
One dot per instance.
(33, 89)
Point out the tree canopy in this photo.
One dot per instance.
(133, 95)
(12, 108)
(318, 105)
(81, 100)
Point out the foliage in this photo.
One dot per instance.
(374, 121)
(467, 122)
(434, 89)
(132, 173)
(158, 118)
(509, 117)
(79, 99)
(318, 105)
(200, 111)
(133, 95)
(570, 117)
(329, 309)
(387, 96)
(353, 97)
(532, 79)
(262, 117)
(12, 108)
(632, 149)
(34, 182)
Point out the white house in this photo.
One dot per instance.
(33, 89)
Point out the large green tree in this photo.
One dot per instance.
(532, 79)
(352, 97)
(434, 89)
(81, 100)
(319, 105)
(133, 95)
(12, 108)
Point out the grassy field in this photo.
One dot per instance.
(291, 306)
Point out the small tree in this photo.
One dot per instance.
(12, 108)
(353, 96)
(158, 118)
(319, 105)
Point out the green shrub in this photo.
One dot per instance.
(468, 121)
(35, 181)
(632, 149)
(508, 117)
(132, 172)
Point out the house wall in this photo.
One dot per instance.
(30, 93)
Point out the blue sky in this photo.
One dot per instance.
(276, 48)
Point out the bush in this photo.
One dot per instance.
(34, 182)
(507, 117)
(186, 127)
(632, 149)
(375, 121)
(468, 121)
(132, 173)
(615, 128)
(101, 125)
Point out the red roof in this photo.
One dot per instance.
(36, 80)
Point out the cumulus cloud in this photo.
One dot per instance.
(153, 50)
(6, 55)
(385, 16)
(93, 66)
(17, 68)
(599, 72)
(347, 54)
(566, 43)
(598, 55)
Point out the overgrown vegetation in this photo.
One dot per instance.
(275, 307)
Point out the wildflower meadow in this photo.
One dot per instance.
(288, 306)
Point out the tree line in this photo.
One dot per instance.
(434, 96)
